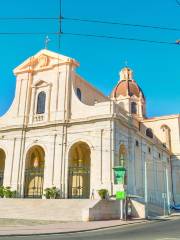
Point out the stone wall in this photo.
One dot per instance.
(60, 209)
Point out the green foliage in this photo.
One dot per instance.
(1, 191)
(51, 193)
(103, 193)
(7, 192)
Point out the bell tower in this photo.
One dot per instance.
(129, 95)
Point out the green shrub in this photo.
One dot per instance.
(47, 193)
(103, 193)
(1, 191)
(51, 193)
(8, 193)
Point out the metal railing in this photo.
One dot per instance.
(33, 184)
(78, 182)
(1, 177)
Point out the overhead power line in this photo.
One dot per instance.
(60, 32)
(122, 24)
(94, 21)
(29, 33)
(29, 18)
(119, 38)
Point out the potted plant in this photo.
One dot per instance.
(51, 193)
(47, 193)
(103, 193)
(8, 193)
(1, 191)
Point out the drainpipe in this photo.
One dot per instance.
(112, 140)
(172, 183)
(167, 189)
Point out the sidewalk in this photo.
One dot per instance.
(9, 227)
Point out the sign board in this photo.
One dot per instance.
(120, 195)
(119, 173)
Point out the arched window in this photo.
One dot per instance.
(133, 108)
(78, 91)
(41, 100)
(166, 136)
(122, 155)
(123, 164)
(149, 133)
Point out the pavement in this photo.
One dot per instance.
(22, 227)
(168, 229)
(10, 227)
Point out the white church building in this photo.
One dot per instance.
(61, 131)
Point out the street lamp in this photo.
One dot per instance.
(119, 172)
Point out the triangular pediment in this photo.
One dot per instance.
(40, 83)
(44, 59)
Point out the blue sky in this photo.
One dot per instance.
(156, 66)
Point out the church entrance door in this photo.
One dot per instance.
(79, 171)
(34, 173)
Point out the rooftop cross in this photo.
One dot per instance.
(47, 40)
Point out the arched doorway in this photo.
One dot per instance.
(79, 171)
(34, 173)
(2, 165)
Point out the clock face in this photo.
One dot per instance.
(43, 61)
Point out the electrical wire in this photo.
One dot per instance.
(29, 18)
(119, 38)
(93, 21)
(29, 33)
(122, 24)
(60, 32)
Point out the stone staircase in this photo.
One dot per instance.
(59, 209)
(45, 209)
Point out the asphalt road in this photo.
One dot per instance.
(156, 230)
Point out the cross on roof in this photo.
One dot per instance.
(47, 40)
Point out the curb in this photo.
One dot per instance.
(70, 232)
(166, 217)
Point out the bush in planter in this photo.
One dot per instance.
(103, 193)
(47, 193)
(1, 191)
(51, 193)
(8, 193)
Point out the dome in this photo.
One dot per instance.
(127, 86)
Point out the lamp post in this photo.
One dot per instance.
(145, 189)
(119, 172)
(167, 186)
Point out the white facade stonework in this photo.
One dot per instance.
(87, 127)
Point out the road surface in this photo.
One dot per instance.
(155, 230)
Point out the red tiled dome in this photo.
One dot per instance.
(126, 86)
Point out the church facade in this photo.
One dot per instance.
(61, 131)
